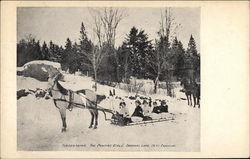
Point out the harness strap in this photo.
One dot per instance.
(63, 99)
(70, 106)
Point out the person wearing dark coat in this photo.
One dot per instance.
(138, 110)
(156, 109)
(164, 107)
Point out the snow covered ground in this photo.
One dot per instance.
(39, 124)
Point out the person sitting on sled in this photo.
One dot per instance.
(164, 109)
(123, 115)
(138, 113)
(156, 113)
(156, 108)
(146, 111)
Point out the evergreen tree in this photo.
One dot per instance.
(67, 55)
(37, 51)
(192, 59)
(45, 51)
(85, 47)
(28, 49)
(191, 50)
(139, 48)
(178, 60)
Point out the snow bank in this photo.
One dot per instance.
(44, 62)
(40, 69)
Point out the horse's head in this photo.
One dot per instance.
(53, 79)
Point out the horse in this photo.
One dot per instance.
(191, 88)
(67, 99)
(187, 90)
(196, 94)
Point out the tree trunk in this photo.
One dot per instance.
(156, 84)
(95, 80)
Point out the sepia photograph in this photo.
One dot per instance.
(108, 79)
(126, 79)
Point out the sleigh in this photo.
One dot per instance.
(120, 122)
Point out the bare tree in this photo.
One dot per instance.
(95, 58)
(105, 25)
(168, 26)
(161, 56)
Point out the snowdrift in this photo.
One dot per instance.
(39, 69)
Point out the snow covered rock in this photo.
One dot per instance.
(40, 69)
(22, 93)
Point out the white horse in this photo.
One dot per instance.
(67, 99)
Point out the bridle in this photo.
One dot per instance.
(52, 87)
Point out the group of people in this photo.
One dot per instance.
(144, 111)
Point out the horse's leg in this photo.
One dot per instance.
(198, 101)
(63, 117)
(96, 119)
(187, 98)
(194, 97)
(92, 118)
(190, 96)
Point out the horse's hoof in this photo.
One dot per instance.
(63, 130)
(90, 126)
(95, 127)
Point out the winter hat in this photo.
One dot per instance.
(163, 102)
(137, 101)
(122, 103)
(145, 102)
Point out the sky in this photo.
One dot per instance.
(59, 23)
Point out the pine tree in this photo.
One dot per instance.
(67, 57)
(28, 49)
(45, 51)
(37, 50)
(85, 47)
(139, 47)
(178, 54)
(191, 50)
(85, 43)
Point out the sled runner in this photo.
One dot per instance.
(121, 123)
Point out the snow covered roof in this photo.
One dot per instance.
(45, 62)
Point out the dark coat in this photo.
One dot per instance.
(138, 112)
(164, 109)
(157, 109)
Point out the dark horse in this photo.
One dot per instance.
(67, 99)
(191, 88)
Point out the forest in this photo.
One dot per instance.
(161, 59)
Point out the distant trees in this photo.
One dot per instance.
(28, 49)
(137, 56)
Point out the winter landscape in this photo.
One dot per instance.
(126, 55)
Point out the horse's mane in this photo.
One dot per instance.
(61, 89)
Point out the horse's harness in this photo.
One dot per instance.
(70, 103)
(71, 96)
